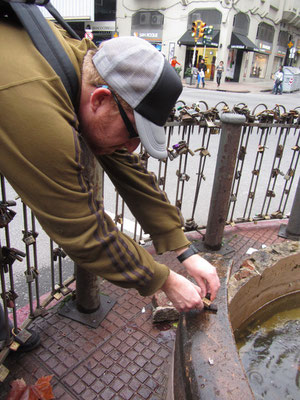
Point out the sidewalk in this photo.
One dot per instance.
(126, 357)
(237, 87)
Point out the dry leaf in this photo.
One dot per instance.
(41, 390)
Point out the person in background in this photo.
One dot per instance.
(174, 62)
(201, 73)
(277, 89)
(220, 70)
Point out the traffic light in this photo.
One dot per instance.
(194, 28)
(208, 30)
(201, 29)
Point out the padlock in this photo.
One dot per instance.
(31, 274)
(10, 255)
(161, 181)
(14, 346)
(182, 176)
(3, 372)
(270, 193)
(29, 237)
(10, 298)
(58, 252)
(57, 296)
(6, 214)
(22, 336)
(242, 153)
(119, 219)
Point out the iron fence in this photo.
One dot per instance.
(35, 272)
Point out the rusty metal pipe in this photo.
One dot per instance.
(292, 229)
(87, 301)
(228, 147)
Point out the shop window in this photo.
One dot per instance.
(259, 66)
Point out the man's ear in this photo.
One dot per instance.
(99, 97)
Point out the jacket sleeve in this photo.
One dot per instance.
(148, 203)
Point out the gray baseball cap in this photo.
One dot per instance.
(142, 76)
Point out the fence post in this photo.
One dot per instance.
(90, 307)
(228, 148)
(87, 302)
(292, 229)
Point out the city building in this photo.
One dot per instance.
(252, 38)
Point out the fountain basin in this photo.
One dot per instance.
(206, 360)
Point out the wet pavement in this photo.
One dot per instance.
(127, 356)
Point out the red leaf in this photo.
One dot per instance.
(18, 387)
(41, 390)
(43, 385)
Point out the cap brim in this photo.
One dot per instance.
(152, 136)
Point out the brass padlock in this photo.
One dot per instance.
(14, 346)
(22, 336)
(3, 373)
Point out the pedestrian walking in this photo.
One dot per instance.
(201, 73)
(174, 62)
(127, 91)
(277, 89)
(220, 70)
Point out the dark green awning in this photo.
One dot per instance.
(241, 42)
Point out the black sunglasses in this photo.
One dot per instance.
(132, 132)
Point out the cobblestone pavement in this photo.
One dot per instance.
(126, 357)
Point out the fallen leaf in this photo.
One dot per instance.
(41, 390)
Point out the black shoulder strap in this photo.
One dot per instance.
(48, 45)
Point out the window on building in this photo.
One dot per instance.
(265, 32)
(210, 17)
(241, 24)
(147, 19)
(105, 10)
(283, 38)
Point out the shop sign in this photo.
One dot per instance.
(148, 35)
(264, 47)
(281, 51)
(101, 26)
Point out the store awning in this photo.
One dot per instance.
(188, 40)
(241, 42)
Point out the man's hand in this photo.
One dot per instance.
(204, 274)
(184, 294)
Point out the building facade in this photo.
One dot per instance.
(252, 38)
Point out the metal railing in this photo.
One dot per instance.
(262, 188)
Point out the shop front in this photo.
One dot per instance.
(260, 60)
(148, 25)
(278, 60)
(239, 47)
(196, 51)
